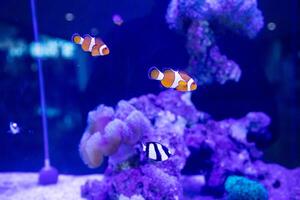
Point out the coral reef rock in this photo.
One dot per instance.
(222, 149)
(197, 17)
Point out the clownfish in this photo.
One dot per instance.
(156, 151)
(94, 45)
(173, 79)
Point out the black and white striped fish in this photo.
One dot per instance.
(156, 151)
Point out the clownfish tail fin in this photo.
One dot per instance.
(77, 39)
(155, 74)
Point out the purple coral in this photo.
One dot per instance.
(118, 133)
(206, 61)
(171, 119)
(106, 133)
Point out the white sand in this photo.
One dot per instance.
(23, 186)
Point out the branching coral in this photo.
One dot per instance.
(195, 17)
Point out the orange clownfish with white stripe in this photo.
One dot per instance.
(94, 45)
(181, 81)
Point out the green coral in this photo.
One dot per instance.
(241, 188)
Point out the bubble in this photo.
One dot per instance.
(117, 19)
(69, 17)
(14, 128)
(271, 26)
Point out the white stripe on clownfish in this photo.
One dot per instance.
(93, 42)
(176, 79)
(101, 49)
(81, 40)
(160, 75)
(189, 83)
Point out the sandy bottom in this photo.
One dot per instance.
(23, 186)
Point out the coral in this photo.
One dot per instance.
(119, 134)
(227, 140)
(228, 158)
(105, 134)
(196, 17)
(134, 197)
(281, 183)
(242, 188)
(222, 149)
